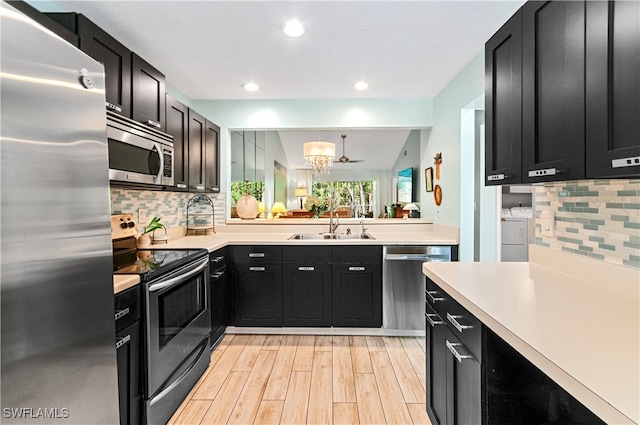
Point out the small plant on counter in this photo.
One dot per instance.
(154, 224)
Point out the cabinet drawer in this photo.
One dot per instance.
(127, 307)
(350, 254)
(257, 254)
(306, 254)
(464, 325)
(217, 261)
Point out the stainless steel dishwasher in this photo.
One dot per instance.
(403, 285)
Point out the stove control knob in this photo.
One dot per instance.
(123, 225)
(131, 224)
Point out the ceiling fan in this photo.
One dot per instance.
(344, 159)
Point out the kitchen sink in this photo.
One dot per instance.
(322, 236)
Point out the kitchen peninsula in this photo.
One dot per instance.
(575, 320)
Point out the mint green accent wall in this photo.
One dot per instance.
(445, 137)
(178, 95)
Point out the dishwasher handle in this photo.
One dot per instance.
(416, 257)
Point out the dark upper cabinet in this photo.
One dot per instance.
(197, 125)
(613, 89)
(177, 121)
(147, 93)
(503, 104)
(116, 59)
(212, 157)
(553, 52)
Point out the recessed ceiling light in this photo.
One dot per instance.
(250, 86)
(361, 85)
(293, 28)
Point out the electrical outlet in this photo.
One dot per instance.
(142, 216)
(548, 223)
(437, 212)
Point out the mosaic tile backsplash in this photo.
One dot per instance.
(171, 207)
(599, 219)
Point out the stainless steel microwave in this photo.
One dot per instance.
(138, 154)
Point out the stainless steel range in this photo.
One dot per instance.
(175, 286)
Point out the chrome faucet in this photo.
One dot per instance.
(364, 229)
(332, 226)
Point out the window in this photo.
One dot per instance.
(351, 198)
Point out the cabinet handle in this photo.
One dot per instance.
(199, 187)
(455, 323)
(217, 259)
(632, 161)
(496, 177)
(257, 269)
(153, 124)
(217, 275)
(256, 255)
(113, 107)
(432, 322)
(357, 269)
(181, 186)
(460, 357)
(544, 172)
(214, 189)
(121, 313)
(306, 269)
(122, 341)
(433, 299)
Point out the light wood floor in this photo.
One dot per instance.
(306, 379)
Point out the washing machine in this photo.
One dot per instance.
(516, 228)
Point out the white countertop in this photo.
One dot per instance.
(280, 236)
(579, 326)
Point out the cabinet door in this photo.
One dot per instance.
(306, 294)
(503, 104)
(258, 295)
(553, 91)
(218, 305)
(116, 59)
(212, 157)
(613, 89)
(357, 295)
(129, 374)
(436, 358)
(197, 125)
(464, 390)
(147, 93)
(177, 117)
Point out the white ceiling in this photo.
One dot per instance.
(208, 49)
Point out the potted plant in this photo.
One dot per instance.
(144, 240)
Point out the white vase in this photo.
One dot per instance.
(247, 207)
(144, 241)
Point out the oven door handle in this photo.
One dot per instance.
(193, 270)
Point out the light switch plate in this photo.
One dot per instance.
(548, 223)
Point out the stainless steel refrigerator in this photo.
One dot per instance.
(58, 360)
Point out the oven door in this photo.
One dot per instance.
(178, 320)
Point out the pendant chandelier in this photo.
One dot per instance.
(319, 155)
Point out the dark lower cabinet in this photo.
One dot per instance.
(129, 374)
(475, 377)
(613, 89)
(258, 295)
(357, 286)
(306, 286)
(129, 355)
(218, 295)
